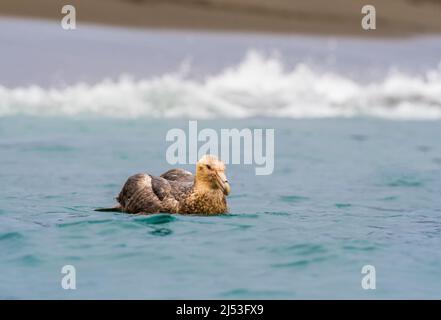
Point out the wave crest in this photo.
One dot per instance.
(258, 87)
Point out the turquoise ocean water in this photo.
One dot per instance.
(357, 164)
(344, 193)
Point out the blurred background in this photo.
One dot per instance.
(395, 17)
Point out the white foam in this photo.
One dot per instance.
(259, 86)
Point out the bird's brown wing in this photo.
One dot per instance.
(138, 195)
(181, 183)
(178, 175)
(171, 192)
(144, 193)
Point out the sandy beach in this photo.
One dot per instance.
(322, 17)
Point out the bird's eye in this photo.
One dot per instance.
(208, 167)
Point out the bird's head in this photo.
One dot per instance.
(210, 172)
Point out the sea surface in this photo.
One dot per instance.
(357, 164)
(344, 194)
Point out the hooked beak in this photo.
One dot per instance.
(223, 183)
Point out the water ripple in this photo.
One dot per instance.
(293, 198)
(161, 232)
(299, 263)
(409, 183)
(155, 219)
(11, 236)
(83, 222)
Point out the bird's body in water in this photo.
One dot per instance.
(177, 191)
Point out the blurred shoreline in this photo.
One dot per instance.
(395, 18)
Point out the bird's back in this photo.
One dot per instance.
(144, 193)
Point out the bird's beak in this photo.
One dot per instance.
(223, 183)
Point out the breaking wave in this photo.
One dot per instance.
(257, 87)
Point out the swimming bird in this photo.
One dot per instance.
(177, 191)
